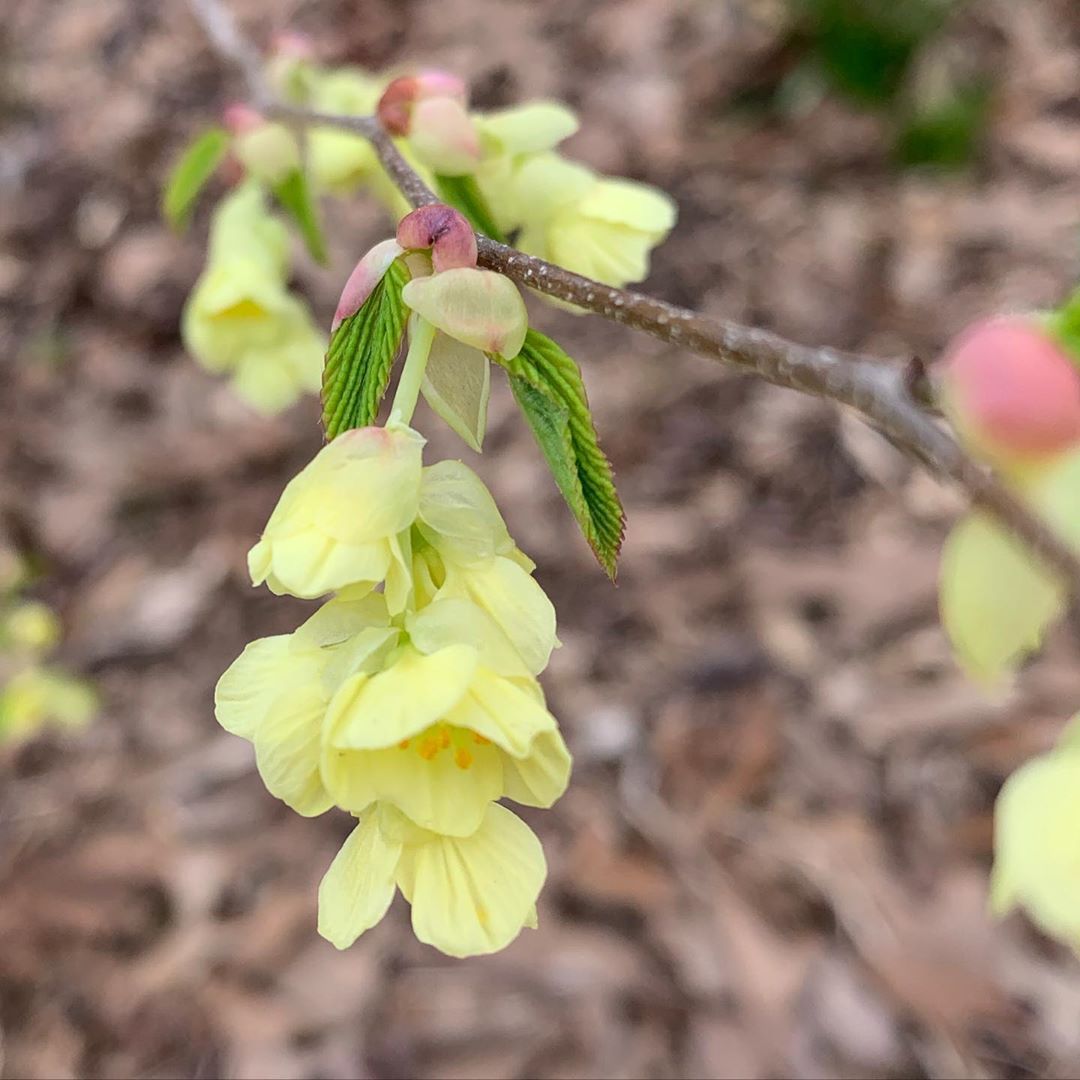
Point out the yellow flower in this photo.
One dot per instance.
(602, 227)
(240, 318)
(1037, 843)
(451, 723)
(510, 138)
(39, 695)
(339, 523)
(31, 626)
(470, 895)
(275, 694)
(462, 549)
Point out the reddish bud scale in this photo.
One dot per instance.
(444, 230)
(1012, 389)
(395, 107)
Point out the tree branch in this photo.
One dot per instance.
(878, 390)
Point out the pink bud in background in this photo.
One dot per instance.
(240, 118)
(293, 45)
(369, 271)
(401, 96)
(1012, 390)
(444, 230)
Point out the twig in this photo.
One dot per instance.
(878, 390)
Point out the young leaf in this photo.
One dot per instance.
(547, 385)
(463, 193)
(190, 174)
(294, 196)
(361, 354)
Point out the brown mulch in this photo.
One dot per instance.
(773, 856)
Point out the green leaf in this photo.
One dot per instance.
(946, 133)
(1064, 326)
(294, 196)
(361, 354)
(190, 174)
(547, 385)
(463, 193)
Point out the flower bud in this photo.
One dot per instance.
(444, 230)
(478, 307)
(395, 107)
(1011, 391)
(268, 151)
(367, 273)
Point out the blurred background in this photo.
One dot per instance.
(772, 858)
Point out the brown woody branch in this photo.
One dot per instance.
(878, 390)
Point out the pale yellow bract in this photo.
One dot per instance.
(415, 708)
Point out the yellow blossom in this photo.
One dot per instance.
(452, 722)
(602, 227)
(240, 319)
(470, 895)
(30, 626)
(1037, 843)
(343, 521)
(275, 694)
(37, 696)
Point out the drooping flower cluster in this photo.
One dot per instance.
(241, 319)
(415, 708)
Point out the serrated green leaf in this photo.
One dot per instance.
(294, 196)
(190, 174)
(463, 193)
(361, 354)
(1064, 325)
(547, 385)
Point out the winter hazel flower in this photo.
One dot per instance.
(339, 522)
(470, 895)
(451, 723)
(241, 320)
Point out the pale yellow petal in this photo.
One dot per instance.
(339, 619)
(357, 889)
(287, 749)
(255, 679)
(455, 620)
(501, 711)
(309, 565)
(995, 602)
(410, 695)
(541, 778)
(625, 202)
(472, 895)
(530, 127)
(458, 515)
(443, 791)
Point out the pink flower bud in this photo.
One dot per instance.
(367, 273)
(433, 84)
(444, 230)
(395, 108)
(293, 45)
(1012, 390)
(240, 118)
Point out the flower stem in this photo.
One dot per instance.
(421, 336)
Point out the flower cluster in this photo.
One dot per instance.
(32, 692)
(241, 319)
(603, 227)
(415, 708)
